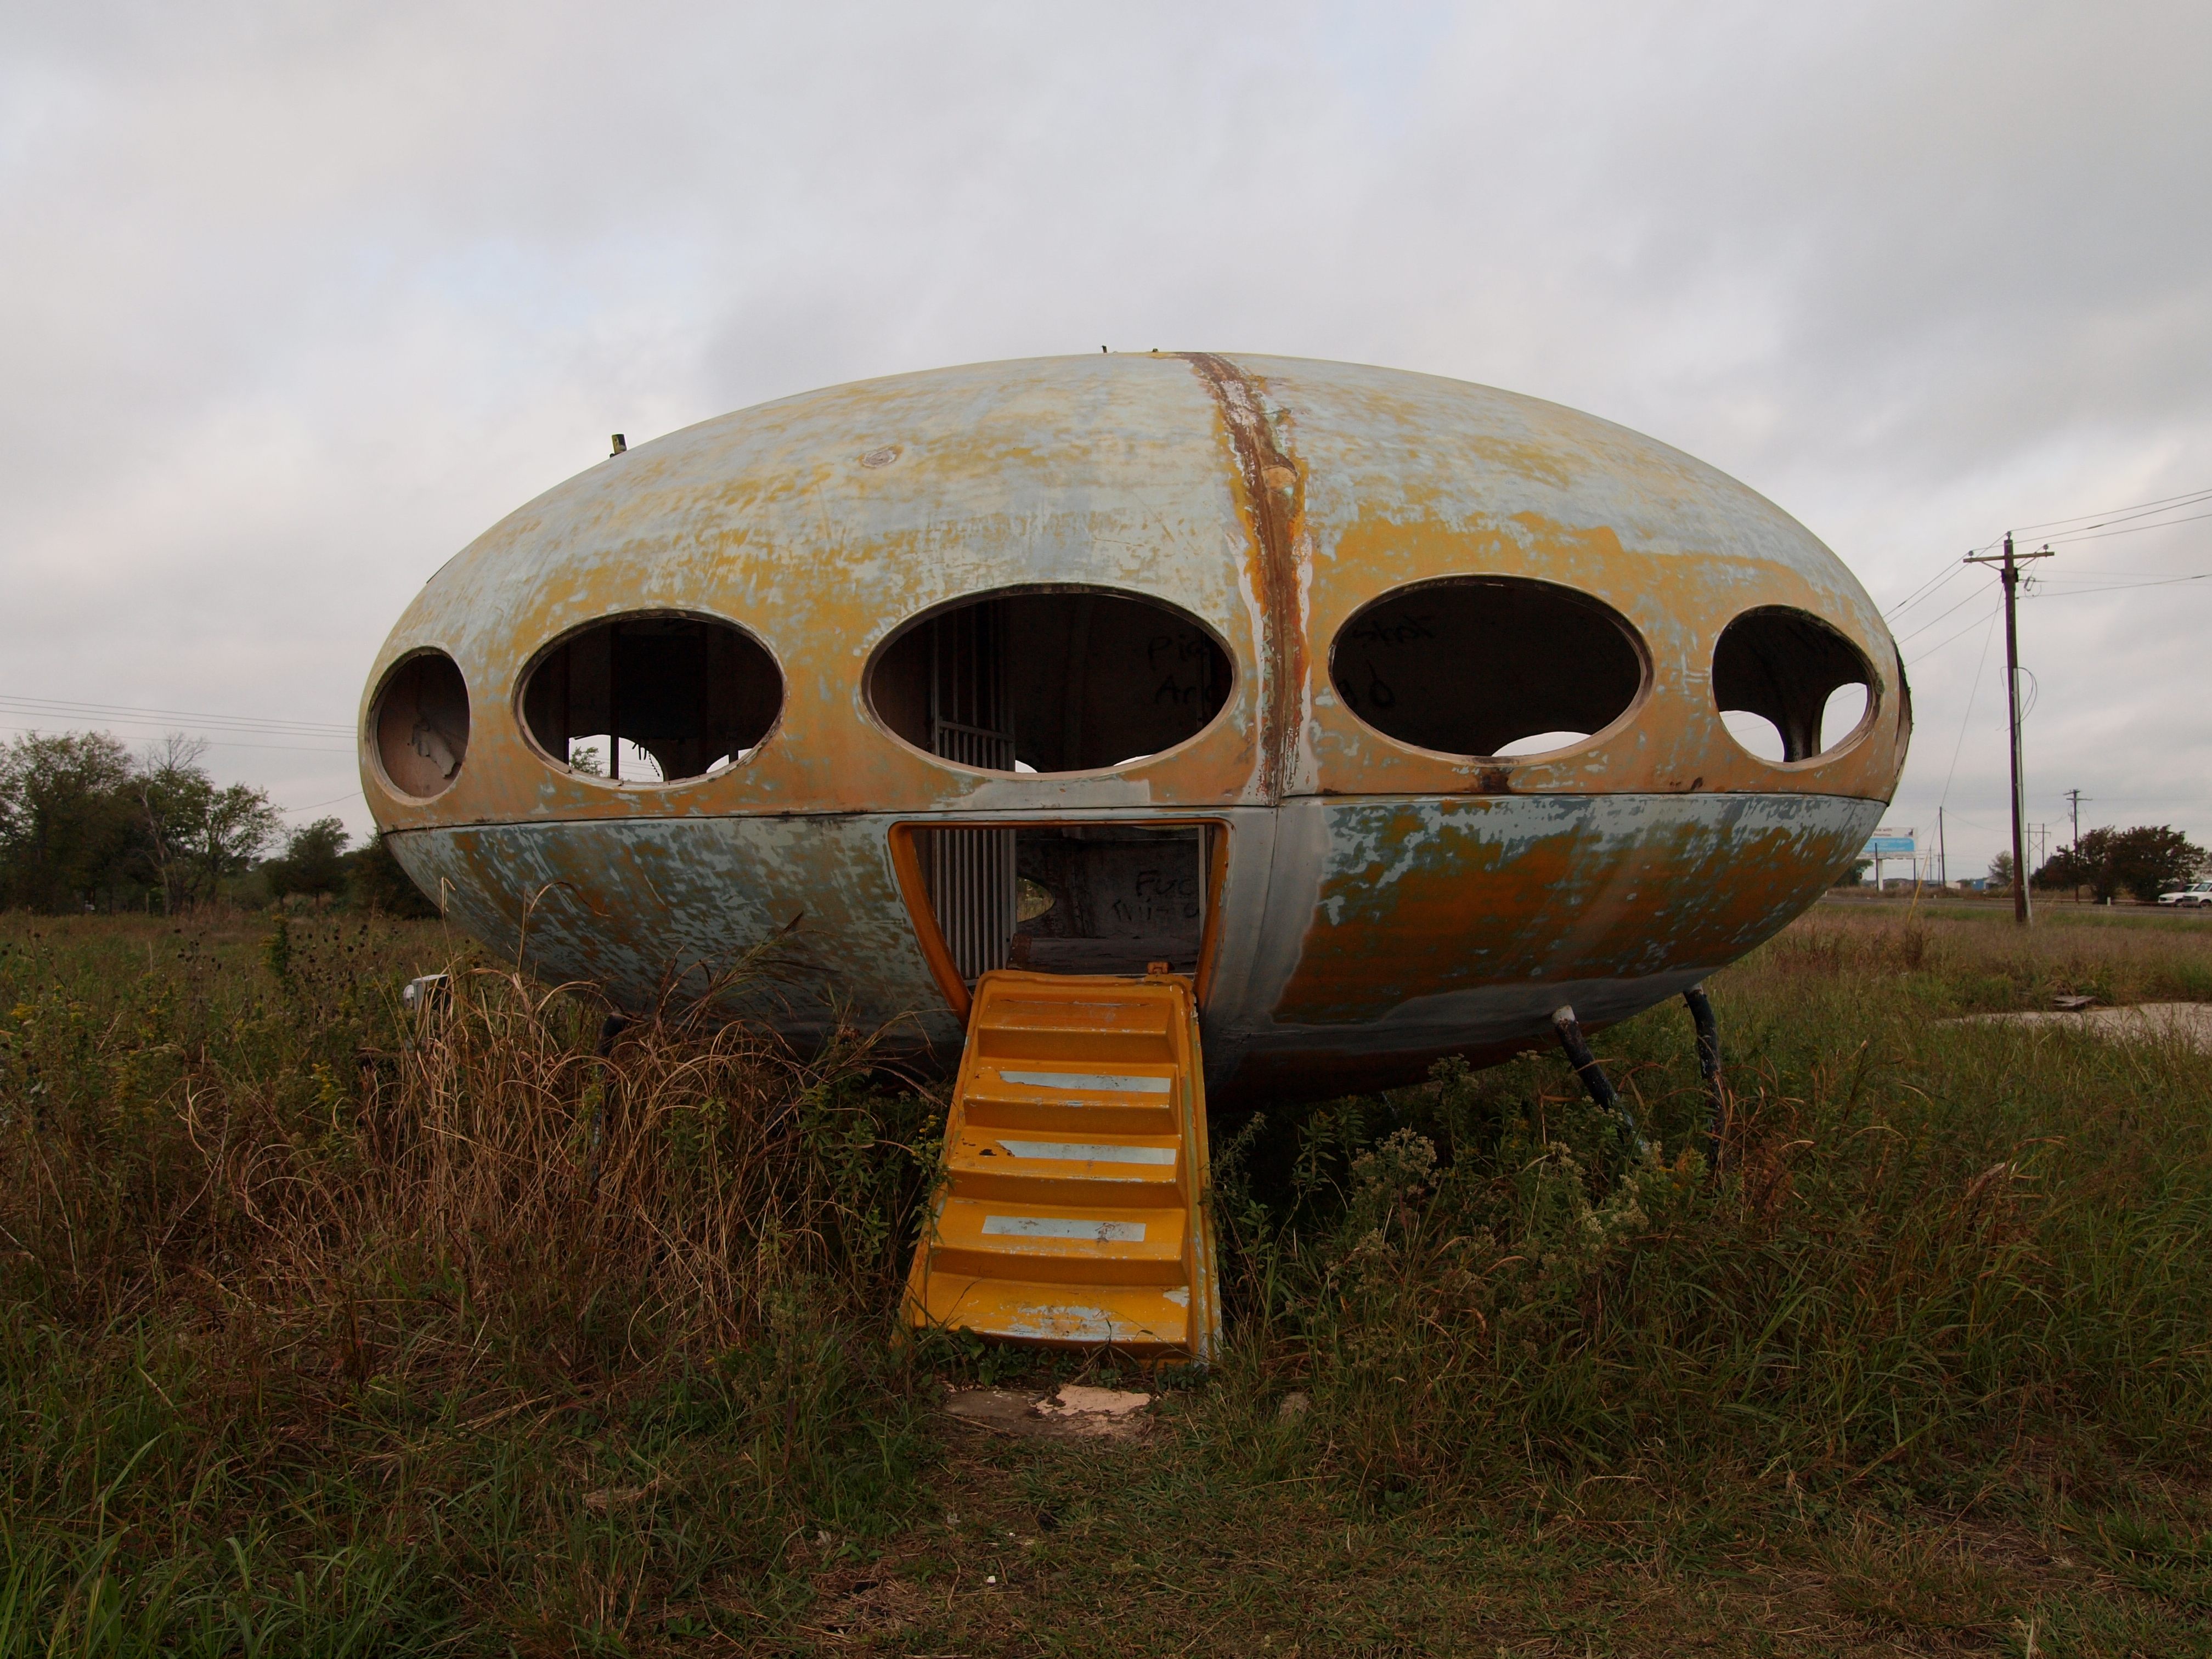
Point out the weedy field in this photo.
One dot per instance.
(322, 1332)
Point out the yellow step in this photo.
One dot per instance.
(1140, 1316)
(1128, 1171)
(1075, 1101)
(1059, 1243)
(1072, 1209)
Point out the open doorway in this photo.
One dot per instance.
(1071, 898)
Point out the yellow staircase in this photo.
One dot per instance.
(1072, 1208)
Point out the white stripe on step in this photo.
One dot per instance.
(1126, 1086)
(1055, 1226)
(1076, 1152)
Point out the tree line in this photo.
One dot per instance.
(2145, 861)
(87, 824)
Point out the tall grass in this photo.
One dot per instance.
(329, 1329)
(328, 1323)
(1933, 1250)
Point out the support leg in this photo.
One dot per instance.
(1709, 1066)
(610, 1028)
(1592, 1075)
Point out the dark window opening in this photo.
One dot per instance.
(1093, 898)
(1486, 665)
(653, 699)
(1057, 682)
(420, 724)
(1789, 687)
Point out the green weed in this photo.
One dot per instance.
(324, 1328)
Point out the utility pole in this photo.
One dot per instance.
(2008, 569)
(2074, 799)
(1943, 854)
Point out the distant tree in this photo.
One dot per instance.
(312, 861)
(195, 833)
(1856, 876)
(67, 828)
(2001, 871)
(377, 881)
(2145, 861)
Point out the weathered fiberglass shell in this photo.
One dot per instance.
(1369, 903)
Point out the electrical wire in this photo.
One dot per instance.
(2114, 514)
(1950, 569)
(350, 794)
(2128, 587)
(1923, 655)
(2101, 535)
(129, 714)
(1939, 617)
(1975, 690)
(219, 743)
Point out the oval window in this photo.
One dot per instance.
(653, 699)
(420, 725)
(1789, 687)
(1487, 666)
(1068, 680)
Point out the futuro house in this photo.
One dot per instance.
(1386, 709)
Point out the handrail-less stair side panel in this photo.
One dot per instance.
(1072, 1208)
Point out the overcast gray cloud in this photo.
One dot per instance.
(297, 301)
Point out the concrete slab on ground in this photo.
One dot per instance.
(2189, 1023)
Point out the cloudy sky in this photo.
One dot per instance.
(296, 300)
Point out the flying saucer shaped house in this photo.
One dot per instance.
(1375, 716)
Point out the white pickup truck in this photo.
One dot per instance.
(2197, 892)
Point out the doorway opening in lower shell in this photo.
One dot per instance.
(1093, 897)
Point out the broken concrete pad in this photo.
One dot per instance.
(2186, 1023)
(1071, 1413)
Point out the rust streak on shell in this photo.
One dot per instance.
(1272, 484)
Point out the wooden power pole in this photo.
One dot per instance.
(2008, 564)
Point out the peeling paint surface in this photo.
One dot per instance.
(1380, 903)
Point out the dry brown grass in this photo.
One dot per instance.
(326, 1330)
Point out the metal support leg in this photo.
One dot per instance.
(609, 1028)
(1593, 1074)
(1708, 1064)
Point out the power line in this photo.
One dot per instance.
(219, 743)
(1974, 690)
(1923, 655)
(2112, 515)
(1922, 591)
(350, 794)
(1940, 615)
(128, 715)
(2085, 526)
(2137, 530)
(2119, 587)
